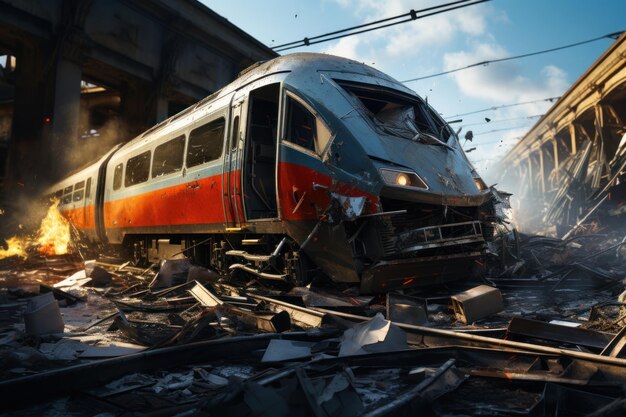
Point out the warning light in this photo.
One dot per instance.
(47, 120)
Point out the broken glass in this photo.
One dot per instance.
(206, 143)
(78, 195)
(398, 114)
(117, 176)
(137, 169)
(168, 157)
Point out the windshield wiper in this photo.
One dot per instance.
(429, 139)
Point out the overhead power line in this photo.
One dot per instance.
(509, 142)
(378, 24)
(504, 129)
(535, 116)
(502, 106)
(509, 58)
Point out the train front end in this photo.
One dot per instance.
(440, 212)
(433, 213)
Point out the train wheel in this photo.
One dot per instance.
(138, 252)
(300, 268)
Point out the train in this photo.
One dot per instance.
(306, 166)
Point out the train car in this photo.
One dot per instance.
(306, 165)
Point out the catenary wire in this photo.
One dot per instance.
(509, 58)
(412, 16)
(503, 120)
(500, 130)
(336, 32)
(502, 106)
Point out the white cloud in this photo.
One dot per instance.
(417, 39)
(346, 47)
(503, 82)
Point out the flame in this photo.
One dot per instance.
(54, 233)
(16, 246)
(53, 237)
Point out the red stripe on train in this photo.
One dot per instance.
(83, 218)
(194, 202)
(303, 192)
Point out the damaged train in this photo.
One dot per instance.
(306, 165)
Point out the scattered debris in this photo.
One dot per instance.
(42, 316)
(78, 279)
(172, 272)
(375, 335)
(284, 350)
(477, 303)
(183, 340)
(405, 309)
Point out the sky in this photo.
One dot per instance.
(487, 31)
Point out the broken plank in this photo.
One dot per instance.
(205, 297)
(59, 294)
(547, 331)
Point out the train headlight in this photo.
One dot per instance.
(480, 184)
(402, 179)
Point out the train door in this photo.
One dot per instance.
(231, 170)
(259, 167)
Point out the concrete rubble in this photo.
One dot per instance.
(542, 335)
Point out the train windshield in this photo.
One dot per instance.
(398, 114)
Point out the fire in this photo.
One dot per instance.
(16, 246)
(54, 233)
(52, 238)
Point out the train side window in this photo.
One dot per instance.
(206, 143)
(117, 177)
(88, 188)
(78, 195)
(67, 195)
(304, 129)
(168, 157)
(137, 169)
(79, 191)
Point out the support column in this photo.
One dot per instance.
(69, 48)
(599, 123)
(530, 174)
(542, 170)
(572, 135)
(65, 115)
(137, 108)
(45, 121)
(555, 146)
(25, 156)
(166, 79)
(162, 108)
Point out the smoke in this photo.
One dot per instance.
(91, 144)
(21, 214)
(527, 209)
(26, 203)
